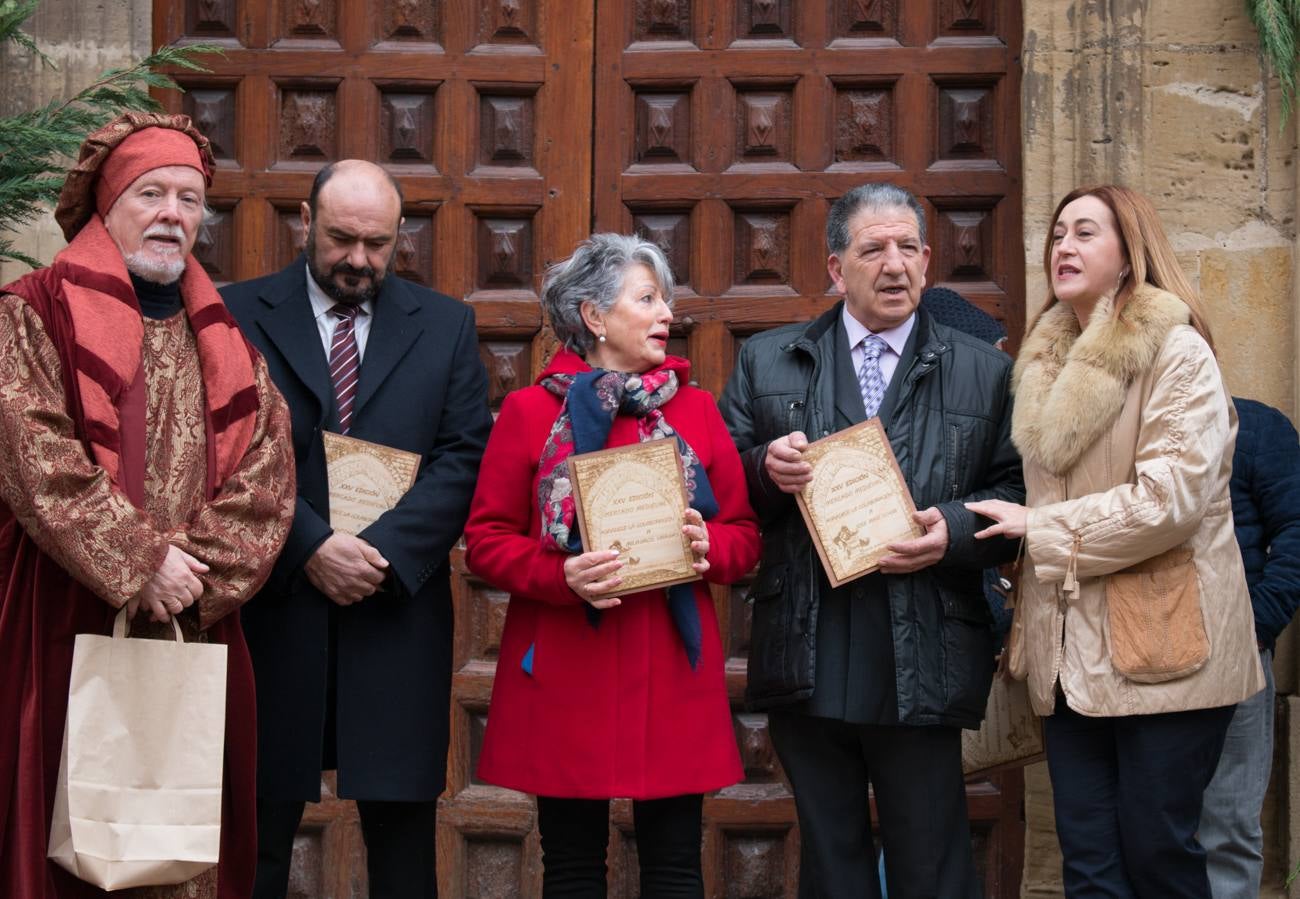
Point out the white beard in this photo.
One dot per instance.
(159, 271)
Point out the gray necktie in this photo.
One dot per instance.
(870, 379)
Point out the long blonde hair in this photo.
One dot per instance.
(1150, 257)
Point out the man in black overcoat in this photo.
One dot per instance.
(351, 638)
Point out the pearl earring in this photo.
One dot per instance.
(601, 338)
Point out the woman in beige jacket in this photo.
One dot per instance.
(1134, 625)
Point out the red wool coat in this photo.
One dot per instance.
(614, 711)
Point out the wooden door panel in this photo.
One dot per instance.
(719, 129)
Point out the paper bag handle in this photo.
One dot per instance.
(119, 626)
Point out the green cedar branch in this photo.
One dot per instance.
(35, 145)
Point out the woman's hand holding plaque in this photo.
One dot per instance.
(632, 500)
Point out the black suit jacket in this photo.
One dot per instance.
(422, 388)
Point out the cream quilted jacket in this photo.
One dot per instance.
(1127, 432)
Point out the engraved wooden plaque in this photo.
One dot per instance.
(633, 499)
(857, 503)
(366, 480)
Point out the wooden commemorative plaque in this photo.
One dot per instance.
(857, 502)
(366, 480)
(633, 499)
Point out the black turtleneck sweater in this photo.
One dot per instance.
(157, 300)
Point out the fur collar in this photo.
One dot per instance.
(1070, 387)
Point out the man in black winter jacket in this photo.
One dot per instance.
(872, 682)
(1266, 513)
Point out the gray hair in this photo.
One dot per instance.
(595, 273)
(873, 197)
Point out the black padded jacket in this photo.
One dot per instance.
(949, 425)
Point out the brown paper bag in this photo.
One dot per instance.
(138, 800)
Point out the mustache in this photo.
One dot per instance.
(173, 231)
(342, 267)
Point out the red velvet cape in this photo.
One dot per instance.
(90, 311)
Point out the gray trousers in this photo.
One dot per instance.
(1230, 830)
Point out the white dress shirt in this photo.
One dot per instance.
(326, 321)
(895, 339)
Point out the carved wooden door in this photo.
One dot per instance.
(721, 129)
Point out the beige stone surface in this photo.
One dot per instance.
(1279, 163)
(1288, 729)
(1189, 23)
(1247, 294)
(1042, 871)
(1274, 814)
(1203, 141)
(1286, 660)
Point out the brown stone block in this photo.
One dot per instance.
(1286, 660)
(1280, 172)
(1204, 143)
(1288, 729)
(1247, 293)
(1042, 872)
(1199, 22)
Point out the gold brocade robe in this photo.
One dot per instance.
(70, 509)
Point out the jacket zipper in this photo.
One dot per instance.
(795, 406)
(1058, 661)
(954, 433)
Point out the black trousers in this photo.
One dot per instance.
(916, 775)
(1128, 794)
(575, 838)
(401, 840)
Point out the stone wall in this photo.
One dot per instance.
(1171, 98)
(83, 39)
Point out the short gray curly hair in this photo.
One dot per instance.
(595, 273)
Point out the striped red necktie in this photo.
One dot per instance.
(345, 362)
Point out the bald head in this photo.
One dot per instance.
(351, 220)
(355, 176)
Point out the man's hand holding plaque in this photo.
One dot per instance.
(858, 508)
(365, 479)
(637, 531)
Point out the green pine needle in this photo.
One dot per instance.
(12, 14)
(1278, 24)
(34, 145)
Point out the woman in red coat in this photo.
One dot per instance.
(601, 694)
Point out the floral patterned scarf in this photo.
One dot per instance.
(592, 400)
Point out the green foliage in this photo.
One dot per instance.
(35, 145)
(1278, 24)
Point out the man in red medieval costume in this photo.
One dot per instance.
(144, 462)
